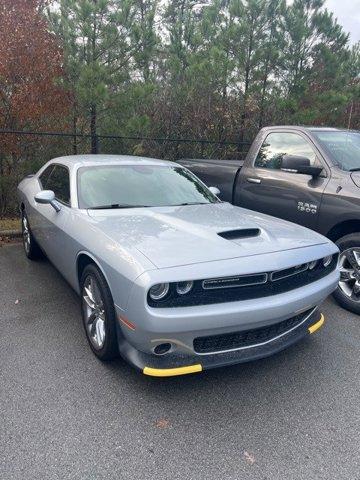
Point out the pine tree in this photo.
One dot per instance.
(95, 35)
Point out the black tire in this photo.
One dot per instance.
(109, 350)
(344, 243)
(31, 248)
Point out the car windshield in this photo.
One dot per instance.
(126, 186)
(342, 147)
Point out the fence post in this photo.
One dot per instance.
(94, 143)
(93, 129)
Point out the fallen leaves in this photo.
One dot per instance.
(162, 423)
(249, 457)
(5, 239)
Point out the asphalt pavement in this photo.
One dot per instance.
(66, 415)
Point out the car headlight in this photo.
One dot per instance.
(183, 288)
(327, 260)
(312, 264)
(159, 291)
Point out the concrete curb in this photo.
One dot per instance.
(10, 233)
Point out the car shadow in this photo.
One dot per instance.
(284, 371)
(267, 384)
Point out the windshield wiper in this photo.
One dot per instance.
(357, 169)
(116, 205)
(125, 205)
(191, 203)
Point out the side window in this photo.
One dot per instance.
(44, 177)
(278, 144)
(59, 183)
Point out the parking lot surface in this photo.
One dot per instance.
(65, 415)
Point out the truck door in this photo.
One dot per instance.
(264, 187)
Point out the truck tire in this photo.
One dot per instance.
(347, 293)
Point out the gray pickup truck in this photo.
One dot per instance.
(308, 175)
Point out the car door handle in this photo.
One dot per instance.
(253, 180)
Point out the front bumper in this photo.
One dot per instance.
(174, 364)
(181, 326)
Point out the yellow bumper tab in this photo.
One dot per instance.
(317, 325)
(171, 372)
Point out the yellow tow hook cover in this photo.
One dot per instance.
(171, 372)
(317, 325)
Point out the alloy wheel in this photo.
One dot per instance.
(349, 264)
(94, 313)
(26, 234)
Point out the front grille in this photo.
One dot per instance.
(232, 282)
(247, 338)
(288, 272)
(244, 287)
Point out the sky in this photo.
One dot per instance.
(348, 14)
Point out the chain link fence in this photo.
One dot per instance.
(24, 152)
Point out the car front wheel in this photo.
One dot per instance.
(98, 314)
(347, 293)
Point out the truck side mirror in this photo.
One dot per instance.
(299, 164)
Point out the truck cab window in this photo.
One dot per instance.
(278, 144)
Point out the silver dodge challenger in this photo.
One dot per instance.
(170, 277)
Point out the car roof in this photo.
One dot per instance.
(308, 128)
(77, 161)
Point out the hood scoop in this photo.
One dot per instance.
(239, 234)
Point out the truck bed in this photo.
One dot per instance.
(216, 173)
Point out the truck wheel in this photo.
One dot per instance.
(347, 293)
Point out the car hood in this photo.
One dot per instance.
(184, 235)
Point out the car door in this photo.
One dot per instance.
(264, 187)
(34, 210)
(49, 224)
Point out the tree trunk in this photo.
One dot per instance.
(246, 82)
(93, 130)
(93, 112)
(264, 87)
(75, 150)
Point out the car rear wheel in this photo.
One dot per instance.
(31, 248)
(347, 293)
(98, 314)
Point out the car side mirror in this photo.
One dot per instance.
(214, 190)
(299, 164)
(47, 197)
